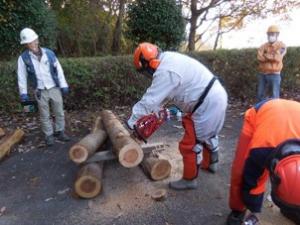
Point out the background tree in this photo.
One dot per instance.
(16, 15)
(85, 28)
(116, 42)
(156, 21)
(209, 14)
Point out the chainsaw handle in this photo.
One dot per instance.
(137, 135)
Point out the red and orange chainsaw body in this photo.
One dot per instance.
(148, 124)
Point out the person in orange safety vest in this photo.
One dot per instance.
(269, 146)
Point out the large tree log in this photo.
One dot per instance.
(157, 169)
(2, 132)
(87, 146)
(9, 141)
(89, 180)
(128, 151)
(98, 125)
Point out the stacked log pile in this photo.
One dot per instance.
(90, 155)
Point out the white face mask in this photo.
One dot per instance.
(272, 38)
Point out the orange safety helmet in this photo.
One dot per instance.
(146, 54)
(285, 179)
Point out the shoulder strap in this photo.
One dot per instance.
(204, 93)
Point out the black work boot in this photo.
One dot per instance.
(235, 218)
(61, 136)
(183, 184)
(49, 140)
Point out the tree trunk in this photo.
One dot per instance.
(9, 141)
(87, 146)
(118, 28)
(128, 151)
(193, 25)
(217, 41)
(192, 35)
(89, 180)
(157, 169)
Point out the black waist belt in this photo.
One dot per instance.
(205, 92)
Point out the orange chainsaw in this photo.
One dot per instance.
(148, 124)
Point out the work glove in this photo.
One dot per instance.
(64, 91)
(24, 97)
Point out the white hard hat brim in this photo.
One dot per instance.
(27, 41)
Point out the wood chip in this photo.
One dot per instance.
(159, 194)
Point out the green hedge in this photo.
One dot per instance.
(110, 81)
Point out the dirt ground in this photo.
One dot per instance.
(36, 182)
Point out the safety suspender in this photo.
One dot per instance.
(204, 94)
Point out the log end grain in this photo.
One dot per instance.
(88, 186)
(161, 170)
(129, 156)
(78, 154)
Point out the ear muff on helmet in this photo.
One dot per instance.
(154, 63)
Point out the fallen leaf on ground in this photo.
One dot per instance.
(61, 192)
(2, 210)
(48, 199)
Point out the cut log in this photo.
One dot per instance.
(157, 169)
(159, 194)
(9, 141)
(87, 146)
(127, 150)
(2, 132)
(98, 125)
(89, 180)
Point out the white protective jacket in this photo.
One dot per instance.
(182, 80)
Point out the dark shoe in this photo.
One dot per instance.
(235, 218)
(251, 220)
(183, 184)
(49, 140)
(61, 136)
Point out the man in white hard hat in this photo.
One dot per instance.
(42, 69)
(270, 56)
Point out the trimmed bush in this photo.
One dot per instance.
(100, 81)
(111, 81)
